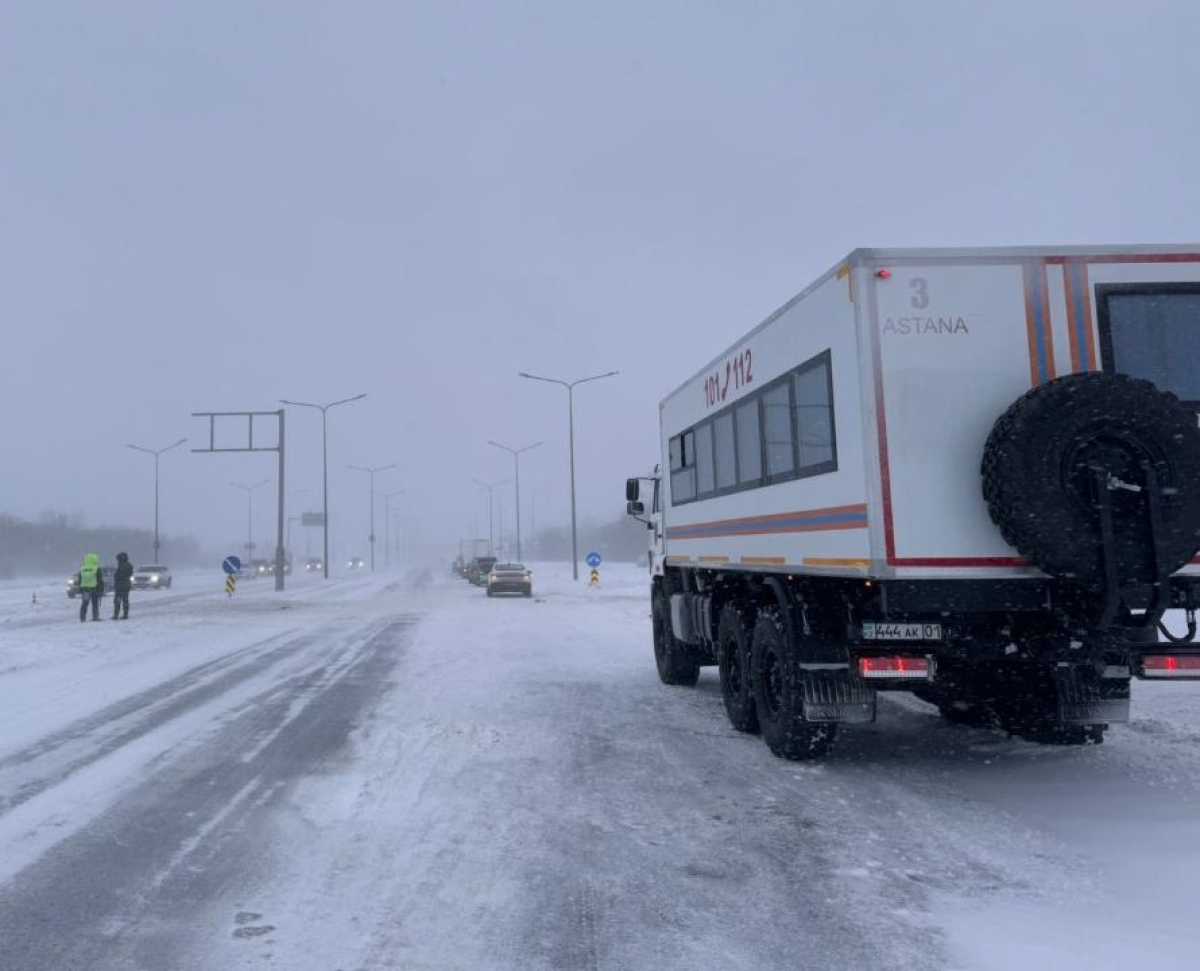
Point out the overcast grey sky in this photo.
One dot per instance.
(214, 205)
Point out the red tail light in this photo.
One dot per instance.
(1171, 666)
(895, 667)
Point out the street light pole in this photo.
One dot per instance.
(516, 454)
(490, 487)
(324, 409)
(570, 386)
(249, 490)
(156, 452)
(371, 470)
(387, 525)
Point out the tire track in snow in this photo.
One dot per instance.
(126, 890)
(89, 739)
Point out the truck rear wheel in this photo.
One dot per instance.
(779, 694)
(733, 664)
(675, 664)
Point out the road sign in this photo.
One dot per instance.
(230, 584)
(232, 564)
(595, 580)
(312, 519)
(593, 560)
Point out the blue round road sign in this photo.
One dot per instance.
(593, 560)
(231, 564)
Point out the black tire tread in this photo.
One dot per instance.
(790, 736)
(734, 634)
(1019, 507)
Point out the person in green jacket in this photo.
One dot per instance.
(91, 586)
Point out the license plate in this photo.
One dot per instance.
(874, 631)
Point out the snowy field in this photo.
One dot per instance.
(394, 771)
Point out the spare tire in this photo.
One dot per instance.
(1040, 467)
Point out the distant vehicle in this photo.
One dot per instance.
(106, 573)
(356, 563)
(152, 578)
(314, 564)
(478, 568)
(260, 568)
(510, 578)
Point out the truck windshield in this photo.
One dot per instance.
(1153, 332)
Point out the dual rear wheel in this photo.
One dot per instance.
(761, 684)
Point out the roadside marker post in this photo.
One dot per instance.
(232, 566)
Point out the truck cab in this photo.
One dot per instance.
(643, 502)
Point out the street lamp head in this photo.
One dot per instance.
(346, 401)
(566, 384)
(321, 408)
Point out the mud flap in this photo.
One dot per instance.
(1087, 697)
(837, 696)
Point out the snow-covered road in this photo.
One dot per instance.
(396, 772)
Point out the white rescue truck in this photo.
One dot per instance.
(973, 474)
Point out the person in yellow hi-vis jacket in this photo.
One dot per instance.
(91, 586)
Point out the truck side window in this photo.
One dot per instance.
(676, 448)
(683, 468)
(814, 416)
(723, 453)
(704, 460)
(749, 442)
(1152, 331)
(777, 430)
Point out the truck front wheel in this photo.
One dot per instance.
(733, 663)
(675, 664)
(779, 694)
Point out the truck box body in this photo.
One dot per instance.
(843, 436)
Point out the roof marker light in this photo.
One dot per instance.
(884, 274)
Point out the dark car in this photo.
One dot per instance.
(260, 568)
(510, 578)
(477, 569)
(314, 564)
(106, 574)
(356, 563)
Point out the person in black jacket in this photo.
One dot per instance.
(122, 584)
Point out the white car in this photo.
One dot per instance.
(152, 578)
